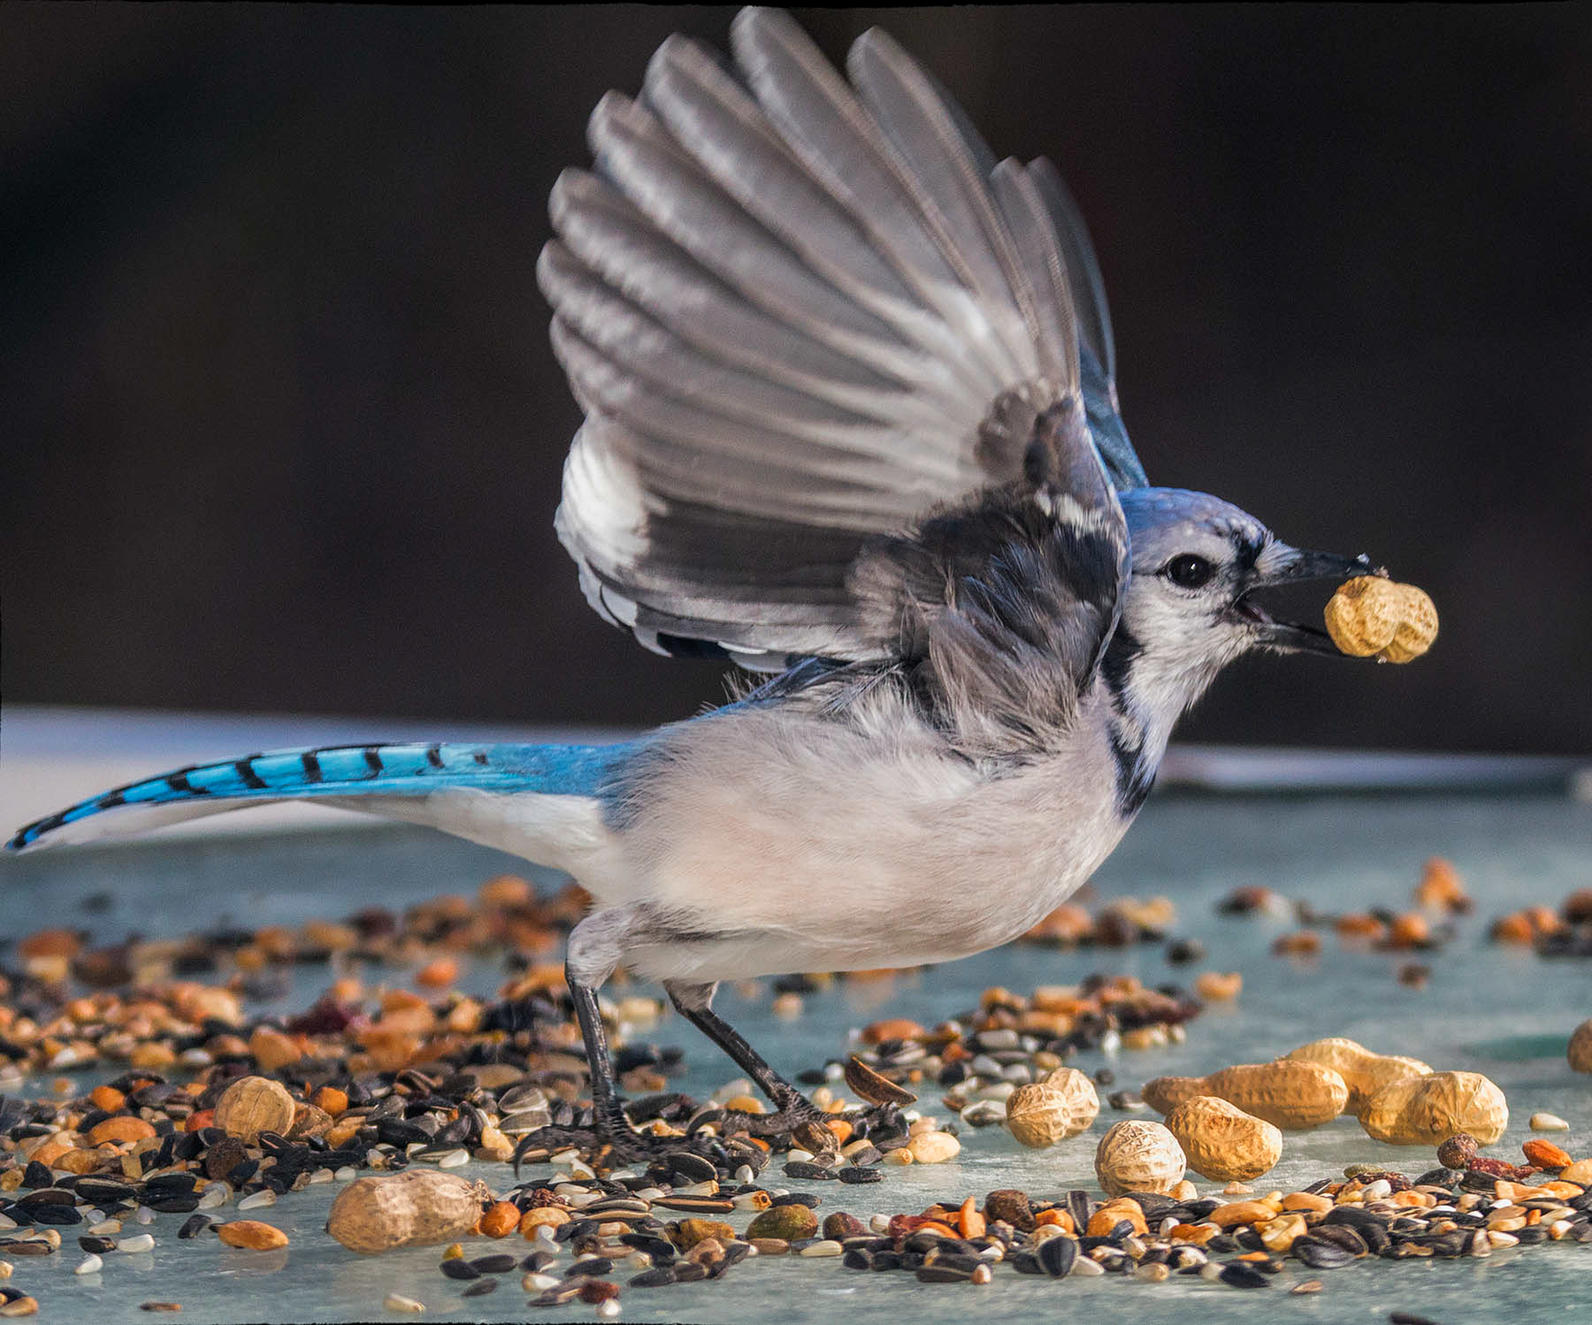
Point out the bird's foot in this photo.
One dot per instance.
(614, 1147)
(806, 1126)
(801, 1124)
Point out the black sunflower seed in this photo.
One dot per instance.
(1319, 1254)
(942, 1274)
(1057, 1256)
(1238, 1275)
(656, 1277)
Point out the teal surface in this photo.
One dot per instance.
(1496, 1010)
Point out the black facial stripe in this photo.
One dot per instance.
(1116, 666)
(1134, 778)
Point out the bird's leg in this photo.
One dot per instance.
(593, 953)
(793, 1108)
(608, 1112)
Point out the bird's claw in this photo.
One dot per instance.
(606, 1149)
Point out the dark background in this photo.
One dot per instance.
(283, 431)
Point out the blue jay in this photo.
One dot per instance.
(851, 420)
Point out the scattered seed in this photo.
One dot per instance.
(251, 1235)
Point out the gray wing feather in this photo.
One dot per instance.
(798, 320)
(1083, 268)
(608, 239)
(951, 191)
(1045, 270)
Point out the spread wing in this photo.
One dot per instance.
(829, 357)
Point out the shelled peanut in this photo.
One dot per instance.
(1292, 1094)
(1363, 1072)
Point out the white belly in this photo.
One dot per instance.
(804, 852)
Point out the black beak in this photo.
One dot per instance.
(1280, 564)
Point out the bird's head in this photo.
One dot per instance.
(1190, 609)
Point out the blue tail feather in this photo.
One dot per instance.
(353, 770)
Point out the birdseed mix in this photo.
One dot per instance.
(213, 1116)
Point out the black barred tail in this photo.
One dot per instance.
(344, 771)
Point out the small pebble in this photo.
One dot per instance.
(90, 1264)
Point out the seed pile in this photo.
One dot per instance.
(1566, 932)
(978, 1059)
(594, 1239)
(1120, 923)
(1439, 900)
(506, 916)
(1247, 1243)
(214, 1115)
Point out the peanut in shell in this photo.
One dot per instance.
(1362, 1071)
(1041, 1113)
(1137, 1156)
(1371, 615)
(1223, 1142)
(1427, 1110)
(413, 1208)
(1290, 1093)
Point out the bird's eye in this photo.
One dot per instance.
(1188, 571)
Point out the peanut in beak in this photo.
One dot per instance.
(1371, 615)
